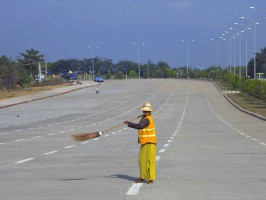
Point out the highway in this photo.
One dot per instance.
(207, 149)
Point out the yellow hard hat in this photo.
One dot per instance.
(147, 107)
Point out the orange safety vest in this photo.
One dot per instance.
(148, 134)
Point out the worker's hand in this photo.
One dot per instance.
(126, 122)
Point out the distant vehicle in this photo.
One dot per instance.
(99, 79)
(70, 76)
(73, 76)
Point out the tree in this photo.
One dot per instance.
(30, 61)
(9, 79)
(132, 74)
(261, 61)
(162, 68)
(125, 66)
(4, 60)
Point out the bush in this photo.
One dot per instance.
(24, 79)
(263, 90)
(10, 77)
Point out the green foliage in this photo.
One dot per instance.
(9, 78)
(24, 79)
(30, 60)
(132, 74)
(263, 90)
(119, 75)
(171, 73)
(108, 76)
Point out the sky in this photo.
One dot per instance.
(63, 29)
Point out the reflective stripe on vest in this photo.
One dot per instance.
(148, 134)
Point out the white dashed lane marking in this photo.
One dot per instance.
(51, 152)
(68, 147)
(134, 190)
(23, 161)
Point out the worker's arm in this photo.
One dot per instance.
(142, 124)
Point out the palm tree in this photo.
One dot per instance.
(30, 60)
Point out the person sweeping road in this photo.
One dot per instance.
(147, 139)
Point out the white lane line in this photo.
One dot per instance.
(96, 139)
(105, 135)
(247, 136)
(134, 190)
(254, 139)
(62, 132)
(18, 130)
(162, 150)
(169, 141)
(35, 137)
(18, 140)
(262, 143)
(166, 145)
(158, 158)
(2, 143)
(51, 152)
(85, 142)
(68, 147)
(23, 161)
(51, 133)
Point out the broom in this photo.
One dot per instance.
(88, 136)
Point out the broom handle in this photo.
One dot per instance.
(119, 125)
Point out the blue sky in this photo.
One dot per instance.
(62, 29)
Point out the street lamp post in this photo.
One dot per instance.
(138, 47)
(188, 42)
(230, 50)
(218, 51)
(92, 57)
(227, 51)
(234, 37)
(254, 41)
(246, 30)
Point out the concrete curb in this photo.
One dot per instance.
(48, 96)
(240, 108)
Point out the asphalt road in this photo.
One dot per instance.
(207, 149)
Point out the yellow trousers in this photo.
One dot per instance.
(147, 161)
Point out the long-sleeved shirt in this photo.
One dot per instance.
(141, 125)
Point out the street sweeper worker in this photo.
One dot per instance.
(147, 139)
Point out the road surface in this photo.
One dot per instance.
(207, 149)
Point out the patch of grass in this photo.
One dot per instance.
(245, 101)
(224, 86)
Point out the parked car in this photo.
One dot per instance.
(99, 79)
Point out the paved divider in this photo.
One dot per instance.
(46, 94)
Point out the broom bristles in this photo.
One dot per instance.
(85, 136)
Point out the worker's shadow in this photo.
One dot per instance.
(122, 176)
